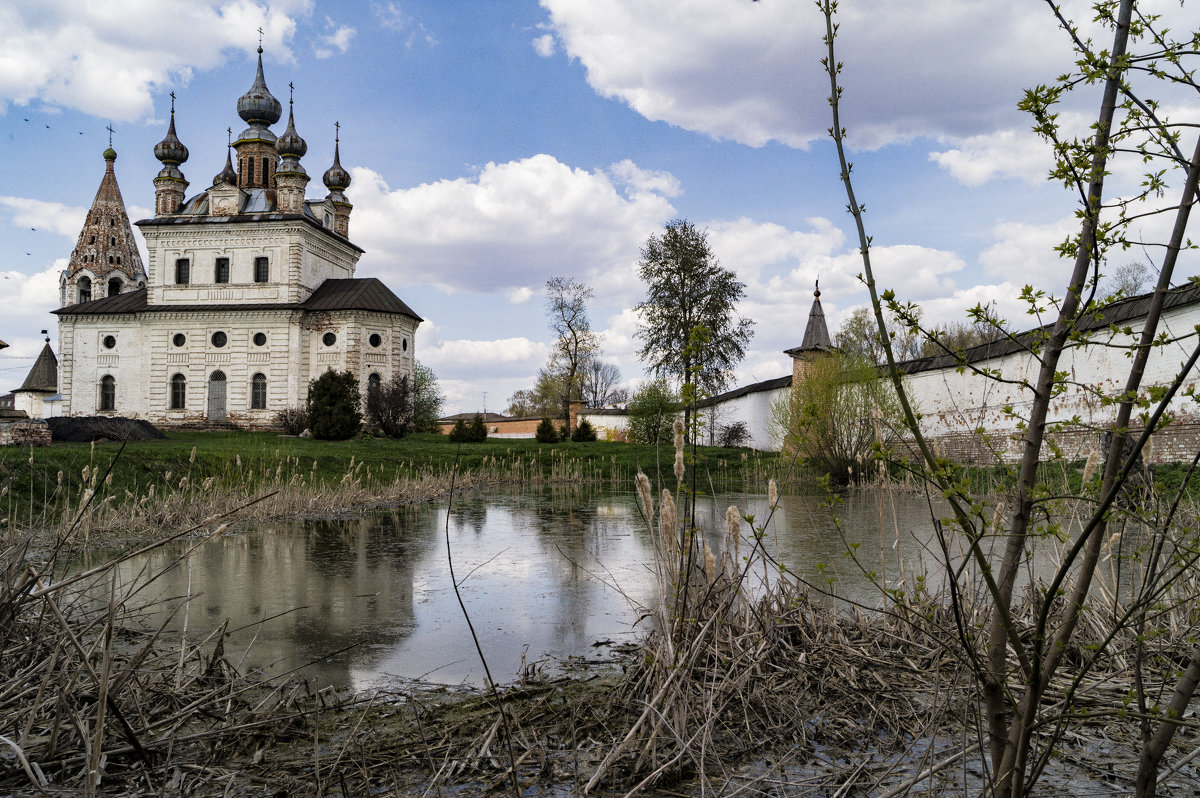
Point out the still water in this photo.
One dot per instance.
(545, 576)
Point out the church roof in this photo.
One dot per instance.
(364, 293)
(106, 243)
(43, 377)
(816, 334)
(358, 293)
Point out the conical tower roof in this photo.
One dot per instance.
(43, 377)
(816, 333)
(106, 243)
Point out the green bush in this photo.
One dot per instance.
(333, 406)
(652, 412)
(545, 432)
(473, 432)
(584, 432)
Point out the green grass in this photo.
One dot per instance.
(31, 476)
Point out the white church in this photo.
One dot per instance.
(247, 295)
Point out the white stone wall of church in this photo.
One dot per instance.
(299, 258)
(952, 402)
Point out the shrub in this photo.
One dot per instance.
(546, 433)
(733, 435)
(333, 406)
(390, 407)
(584, 432)
(459, 433)
(472, 432)
(564, 432)
(292, 420)
(652, 412)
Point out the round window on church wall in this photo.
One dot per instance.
(179, 339)
(260, 338)
(110, 341)
(375, 340)
(329, 339)
(219, 339)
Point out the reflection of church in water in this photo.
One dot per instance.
(248, 293)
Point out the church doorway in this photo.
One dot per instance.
(216, 396)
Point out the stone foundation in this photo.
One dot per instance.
(26, 432)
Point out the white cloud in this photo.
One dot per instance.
(513, 225)
(501, 357)
(88, 56)
(1024, 253)
(25, 305)
(544, 45)
(519, 296)
(645, 181)
(750, 71)
(1007, 153)
(336, 41)
(53, 217)
(392, 17)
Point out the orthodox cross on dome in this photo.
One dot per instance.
(260, 37)
(172, 102)
(110, 131)
(291, 93)
(337, 131)
(817, 287)
(228, 137)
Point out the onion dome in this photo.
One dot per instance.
(258, 104)
(110, 154)
(227, 174)
(171, 150)
(290, 145)
(336, 178)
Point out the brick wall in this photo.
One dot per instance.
(26, 432)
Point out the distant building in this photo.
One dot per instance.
(248, 293)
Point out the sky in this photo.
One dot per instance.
(494, 145)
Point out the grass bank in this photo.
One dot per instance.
(153, 485)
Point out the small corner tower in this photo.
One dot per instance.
(105, 261)
(337, 180)
(170, 185)
(290, 179)
(256, 155)
(816, 344)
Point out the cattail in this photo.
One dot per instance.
(668, 522)
(733, 520)
(772, 493)
(643, 488)
(218, 532)
(59, 477)
(167, 476)
(86, 469)
(1148, 450)
(678, 450)
(1089, 468)
(192, 459)
(710, 563)
(108, 480)
(998, 516)
(239, 462)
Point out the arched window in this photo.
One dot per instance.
(373, 382)
(266, 173)
(249, 171)
(178, 392)
(258, 392)
(108, 392)
(85, 289)
(114, 286)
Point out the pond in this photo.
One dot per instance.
(545, 576)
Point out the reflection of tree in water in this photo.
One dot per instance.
(470, 514)
(302, 592)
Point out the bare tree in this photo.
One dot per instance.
(599, 384)
(576, 344)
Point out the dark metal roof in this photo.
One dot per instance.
(129, 302)
(43, 377)
(746, 390)
(1115, 314)
(816, 333)
(366, 293)
(360, 293)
